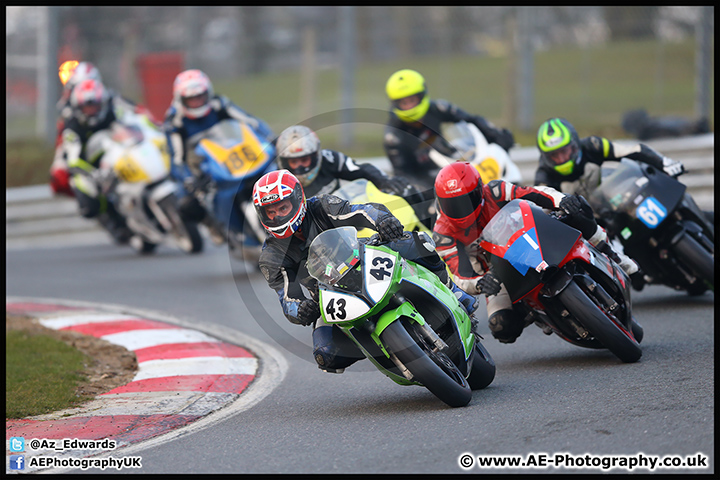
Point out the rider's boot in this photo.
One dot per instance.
(600, 241)
(505, 326)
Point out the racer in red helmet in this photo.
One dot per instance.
(71, 74)
(292, 222)
(465, 206)
(93, 109)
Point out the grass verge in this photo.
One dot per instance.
(28, 162)
(42, 374)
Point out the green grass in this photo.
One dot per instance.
(41, 374)
(591, 87)
(27, 162)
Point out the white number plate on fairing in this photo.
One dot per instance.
(378, 268)
(341, 307)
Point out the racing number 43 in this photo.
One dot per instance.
(330, 309)
(382, 263)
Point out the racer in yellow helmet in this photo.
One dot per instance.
(407, 94)
(414, 123)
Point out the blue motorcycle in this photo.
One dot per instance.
(231, 157)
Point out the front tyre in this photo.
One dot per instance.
(433, 370)
(142, 246)
(186, 233)
(189, 238)
(612, 336)
(483, 368)
(637, 330)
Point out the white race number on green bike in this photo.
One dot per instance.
(378, 268)
(340, 307)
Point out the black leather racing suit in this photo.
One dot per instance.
(585, 176)
(336, 166)
(282, 262)
(406, 143)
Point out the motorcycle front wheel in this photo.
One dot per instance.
(433, 370)
(186, 232)
(483, 368)
(142, 246)
(612, 336)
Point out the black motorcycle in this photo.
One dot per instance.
(658, 224)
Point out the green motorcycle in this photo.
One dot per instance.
(399, 314)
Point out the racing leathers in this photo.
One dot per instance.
(460, 248)
(336, 166)
(180, 131)
(594, 150)
(85, 178)
(406, 144)
(282, 262)
(59, 170)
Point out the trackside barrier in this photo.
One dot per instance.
(33, 211)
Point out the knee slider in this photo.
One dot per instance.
(327, 353)
(504, 326)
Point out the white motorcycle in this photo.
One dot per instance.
(490, 159)
(134, 174)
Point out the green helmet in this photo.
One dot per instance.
(404, 84)
(559, 145)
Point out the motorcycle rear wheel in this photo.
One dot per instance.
(613, 337)
(700, 261)
(483, 368)
(433, 370)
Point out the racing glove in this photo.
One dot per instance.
(673, 167)
(390, 228)
(505, 139)
(308, 312)
(571, 205)
(488, 285)
(395, 185)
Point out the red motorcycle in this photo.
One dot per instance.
(559, 281)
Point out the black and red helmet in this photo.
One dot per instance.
(459, 193)
(279, 201)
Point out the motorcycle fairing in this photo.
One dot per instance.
(240, 159)
(640, 193)
(541, 243)
(378, 268)
(364, 191)
(342, 307)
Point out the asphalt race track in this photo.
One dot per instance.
(548, 397)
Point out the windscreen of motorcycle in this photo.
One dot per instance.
(332, 254)
(620, 188)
